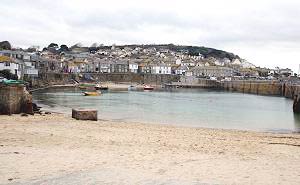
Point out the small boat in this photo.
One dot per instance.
(100, 87)
(148, 87)
(92, 93)
(131, 87)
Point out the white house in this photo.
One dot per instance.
(30, 65)
(236, 62)
(30, 68)
(133, 67)
(10, 64)
(181, 70)
(246, 64)
(199, 64)
(178, 62)
(188, 63)
(206, 64)
(219, 63)
(77, 66)
(161, 69)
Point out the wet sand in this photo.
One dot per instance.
(55, 149)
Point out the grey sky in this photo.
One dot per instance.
(265, 32)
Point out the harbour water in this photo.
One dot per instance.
(183, 107)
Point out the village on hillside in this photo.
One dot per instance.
(131, 59)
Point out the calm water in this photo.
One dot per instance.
(184, 107)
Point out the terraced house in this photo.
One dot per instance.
(212, 71)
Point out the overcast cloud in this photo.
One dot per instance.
(265, 32)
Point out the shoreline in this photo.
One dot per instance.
(278, 131)
(56, 149)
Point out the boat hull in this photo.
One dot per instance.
(101, 88)
(148, 88)
(91, 93)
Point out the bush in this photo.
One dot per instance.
(5, 45)
(8, 75)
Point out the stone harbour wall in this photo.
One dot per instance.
(157, 79)
(46, 79)
(273, 88)
(291, 90)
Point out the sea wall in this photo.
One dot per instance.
(194, 82)
(46, 79)
(291, 90)
(273, 88)
(136, 78)
(14, 99)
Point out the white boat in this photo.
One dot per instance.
(148, 87)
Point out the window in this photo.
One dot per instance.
(7, 63)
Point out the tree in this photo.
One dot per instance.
(64, 47)
(5, 45)
(53, 45)
(93, 48)
(8, 75)
(33, 48)
(30, 49)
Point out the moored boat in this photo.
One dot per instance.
(148, 87)
(132, 87)
(100, 87)
(91, 93)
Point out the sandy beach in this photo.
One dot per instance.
(56, 149)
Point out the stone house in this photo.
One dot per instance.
(181, 70)
(46, 65)
(212, 71)
(119, 67)
(144, 68)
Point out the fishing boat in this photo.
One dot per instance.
(148, 87)
(131, 87)
(100, 87)
(91, 93)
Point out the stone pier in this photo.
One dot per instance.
(14, 99)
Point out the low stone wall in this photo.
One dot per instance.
(254, 87)
(14, 99)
